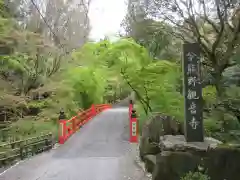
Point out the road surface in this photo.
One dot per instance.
(98, 151)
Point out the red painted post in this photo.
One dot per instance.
(74, 124)
(133, 127)
(62, 131)
(62, 128)
(93, 109)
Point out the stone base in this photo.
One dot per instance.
(178, 143)
(178, 157)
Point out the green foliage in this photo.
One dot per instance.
(5, 24)
(195, 176)
(28, 128)
(209, 95)
(112, 58)
(221, 119)
(211, 126)
(158, 90)
(26, 59)
(26, 73)
(158, 87)
(105, 54)
(88, 85)
(38, 104)
(3, 9)
(153, 35)
(129, 64)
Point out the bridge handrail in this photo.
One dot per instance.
(70, 126)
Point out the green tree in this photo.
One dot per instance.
(154, 82)
(214, 25)
(88, 85)
(4, 11)
(150, 33)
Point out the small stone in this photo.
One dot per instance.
(148, 175)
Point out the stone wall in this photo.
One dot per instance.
(168, 156)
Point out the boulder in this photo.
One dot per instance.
(178, 157)
(171, 126)
(173, 165)
(151, 132)
(150, 162)
(155, 127)
(147, 148)
(222, 163)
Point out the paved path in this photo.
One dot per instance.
(99, 151)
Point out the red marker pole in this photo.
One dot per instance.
(94, 110)
(133, 127)
(62, 133)
(62, 127)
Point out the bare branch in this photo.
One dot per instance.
(232, 45)
(222, 25)
(196, 31)
(215, 27)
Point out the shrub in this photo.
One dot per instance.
(195, 176)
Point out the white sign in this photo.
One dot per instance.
(134, 128)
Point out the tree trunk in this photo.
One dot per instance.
(219, 85)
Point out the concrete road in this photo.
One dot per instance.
(99, 151)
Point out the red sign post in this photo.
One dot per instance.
(62, 131)
(133, 127)
(62, 127)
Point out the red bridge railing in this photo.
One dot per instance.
(69, 127)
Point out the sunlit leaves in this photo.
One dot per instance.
(125, 61)
(87, 84)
